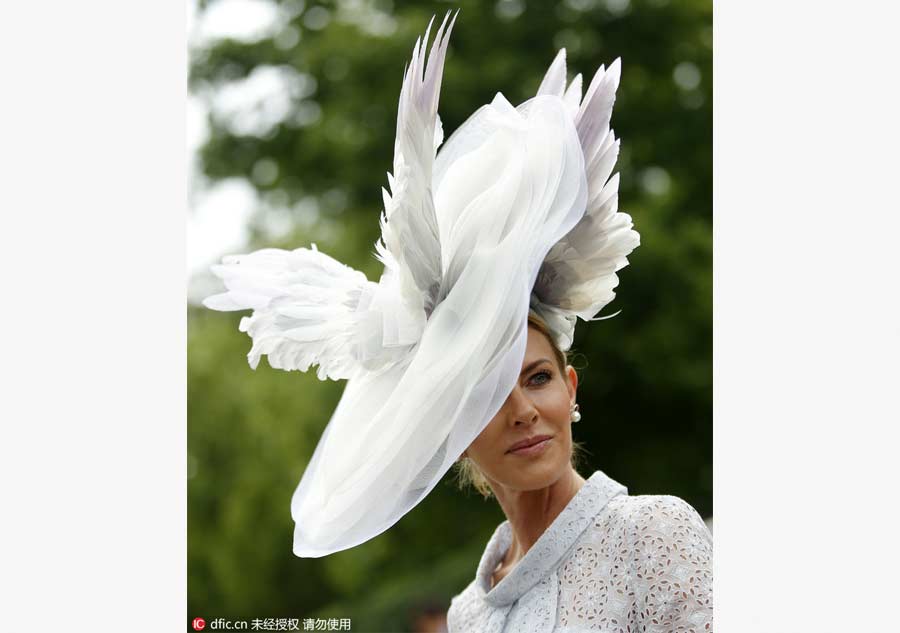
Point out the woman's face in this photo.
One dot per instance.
(538, 409)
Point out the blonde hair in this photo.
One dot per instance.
(467, 473)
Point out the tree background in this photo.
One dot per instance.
(304, 113)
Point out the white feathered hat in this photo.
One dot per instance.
(516, 212)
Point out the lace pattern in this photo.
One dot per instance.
(609, 562)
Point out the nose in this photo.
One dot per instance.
(521, 408)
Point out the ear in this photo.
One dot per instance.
(571, 383)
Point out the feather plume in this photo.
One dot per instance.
(309, 309)
(578, 275)
(409, 231)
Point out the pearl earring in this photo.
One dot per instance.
(576, 415)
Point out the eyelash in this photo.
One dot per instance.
(545, 373)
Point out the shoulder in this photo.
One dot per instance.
(466, 610)
(637, 533)
(626, 514)
(670, 563)
(646, 557)
(658, 527)
(626, 521)
(664, 513)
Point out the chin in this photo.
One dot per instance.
(539, 472)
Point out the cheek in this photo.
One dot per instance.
(490, 436)
(553, 405)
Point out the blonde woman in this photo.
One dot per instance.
(515, 213)
(574, 554)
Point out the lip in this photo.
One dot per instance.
(530, 446)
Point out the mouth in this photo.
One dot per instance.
(530, 446)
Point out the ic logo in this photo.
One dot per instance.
(198, 624)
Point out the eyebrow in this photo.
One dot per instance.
(534, 364)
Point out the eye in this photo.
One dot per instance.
(541, 378)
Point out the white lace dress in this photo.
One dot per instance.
(609, 562)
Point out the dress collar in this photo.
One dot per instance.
(550, 549)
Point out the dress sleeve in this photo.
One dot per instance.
(670, 566)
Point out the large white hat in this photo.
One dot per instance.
(516, 212)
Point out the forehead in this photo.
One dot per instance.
(538, 347)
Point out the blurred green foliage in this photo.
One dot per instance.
(646, 375)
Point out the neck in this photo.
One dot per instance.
(531, 512)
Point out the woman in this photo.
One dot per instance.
(517, 213)
(574, 555)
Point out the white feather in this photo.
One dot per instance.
(309, 309)
(409, 231)
(573, 95)
(554, 82)
(578, 276)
